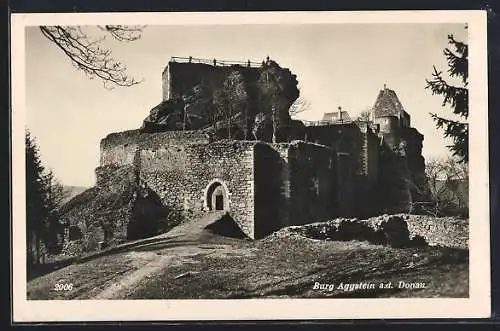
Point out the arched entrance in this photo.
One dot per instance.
(216, 197)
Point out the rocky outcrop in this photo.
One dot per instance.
(393, 230)
(234, 102)
(387, 230)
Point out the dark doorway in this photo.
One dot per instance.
(219, 201)
(217, 197)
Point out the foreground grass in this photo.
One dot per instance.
(270, 268)
(289, 267)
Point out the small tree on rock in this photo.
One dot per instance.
(231, 100)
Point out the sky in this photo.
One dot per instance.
(336, 65)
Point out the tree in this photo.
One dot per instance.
(231, 99)
(198, 96)
(54, 198)
(454, 96)
(36, 213)
(298, 106)
(448, 181)
(271, 90)
(44, 197)
(365, 115)
(89, 55)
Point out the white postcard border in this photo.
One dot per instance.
(477, 305)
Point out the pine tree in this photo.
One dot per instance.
(44, 196)
(36, 211)
(53, 198)
(456, 97)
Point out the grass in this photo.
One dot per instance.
(290, 268)
(274, 267)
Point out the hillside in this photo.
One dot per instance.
(192, 262)
(72, 191)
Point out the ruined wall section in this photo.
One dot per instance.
(232, 162)
(416, 164)
(272, 188)
(180, 174)
(373, 159)
(367, 176)
(119, 149)
(350, 144)
(294, 184)
(181, 77)
(197, 96)
(312, 173)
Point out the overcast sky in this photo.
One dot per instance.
(336, 64)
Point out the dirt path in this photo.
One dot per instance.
(191, 232)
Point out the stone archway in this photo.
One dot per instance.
(216, 197)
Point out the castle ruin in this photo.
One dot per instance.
(222, 139)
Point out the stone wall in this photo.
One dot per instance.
(440, 231)
(367, 177)
(294, 184)
(416, 164)
(197, 96)
(272, 188)
(181, 174)
(373, 159)
(180, 77)
(101, 213)
(312, 173)
(120, 148)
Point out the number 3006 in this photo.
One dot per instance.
(63, 287)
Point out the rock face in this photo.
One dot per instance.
(119, 208)
(393, 230)
(236, 102)
(387, 230)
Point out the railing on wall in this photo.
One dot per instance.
(325, 122)
(215, 62)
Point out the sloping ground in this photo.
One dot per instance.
(108, 273)
(106, 206)
(290, 267)
(192, 262)
(72, 191)
(117, 210)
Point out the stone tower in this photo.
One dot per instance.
(402, 168)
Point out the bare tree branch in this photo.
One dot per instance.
(300, 105)
(123, 32)
(89, 55)
(447, 179)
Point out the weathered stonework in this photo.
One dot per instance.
(265, 170)
(227, 101)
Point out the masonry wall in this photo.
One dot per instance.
(294, 184)
(180, 77)
(367, 176)
(416, 164)
(312, 171)
(272, 188)
(120, 148)
(181, 173)
(344, 195)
